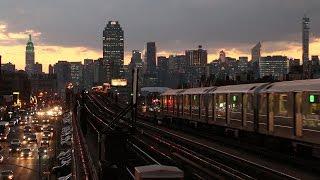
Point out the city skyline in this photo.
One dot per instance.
(50, 48)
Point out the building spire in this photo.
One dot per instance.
(30, 37)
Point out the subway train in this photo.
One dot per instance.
(287, 110)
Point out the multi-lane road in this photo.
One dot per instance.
(28, 168)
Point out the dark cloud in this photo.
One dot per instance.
(173, 24)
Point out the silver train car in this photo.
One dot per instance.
(289, 109)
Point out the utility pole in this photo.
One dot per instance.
(135, 79)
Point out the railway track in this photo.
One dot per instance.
(205, 161)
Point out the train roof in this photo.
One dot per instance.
(158, 171)
(155, 89)
(202, 90)
(172, 92)
(293, 86)
(241, 88)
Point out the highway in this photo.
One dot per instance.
(27, 168)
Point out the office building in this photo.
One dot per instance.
(150, 56)
(63, 71)
(113, 50)
(29, 56)
(8, 68)
(37, 68)
(76, 75)
(51, 69)
(255, 58)
(197, 57)
(307, 69)
(243, 64)
(88, 74)
(275, 66)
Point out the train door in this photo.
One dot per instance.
(297, 114)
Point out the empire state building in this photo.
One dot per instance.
(29, 56)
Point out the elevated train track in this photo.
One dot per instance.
(203, 160)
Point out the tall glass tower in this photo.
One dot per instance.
(305, 39)
(113, 50)
(29, 56)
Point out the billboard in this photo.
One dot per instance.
(118, 82)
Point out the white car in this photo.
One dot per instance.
(67, 177)
(15, 142)
(1, 158)
(63, 153)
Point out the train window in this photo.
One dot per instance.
(220, 105)
(186, 103)
(263, 104)
(311, 112)
(195, 101)
(235, 102)
(250, 103)
(283, 104)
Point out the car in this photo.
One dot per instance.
(32, 138)
(62, 170)
(15, 142)
(45, 141)
(37, 127)
(46, 134)
(66, 142)
(27, 129)
(3, 137)
(43, 150)
(45, 121)
(26, 135)
(64, 153)
(12, 123)
(67, 177)
(25, 153)
(35, 121)
(1, 158)
(14, 148)
(7, 174)
(23, 122)
(50, 128)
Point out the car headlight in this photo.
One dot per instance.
(29, 139)
(24, 137)
(47, 141)
(18, 149)
(5, 137)
(10, 149)
(43, 134)
(21, 155)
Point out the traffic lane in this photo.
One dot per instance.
(22, 168)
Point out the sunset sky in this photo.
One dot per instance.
(72, 29)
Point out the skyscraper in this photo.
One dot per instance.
(51, 71)
(63, 71)
(88, 73)
(255, 58)
(196, 57)
(305, 39)
(29, 56)
(76, 70)
(37, 68)
(276, 66)
(305, 48)
(151, 57)
(113, 50)
(256, 52)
